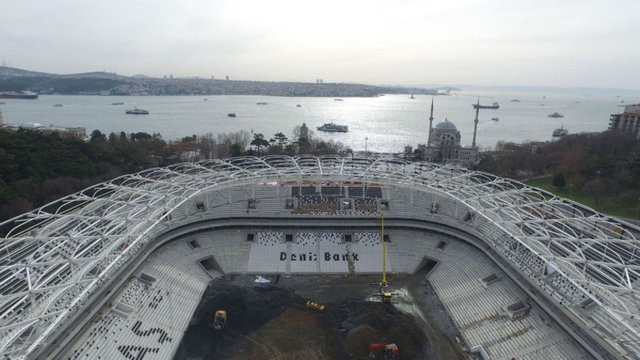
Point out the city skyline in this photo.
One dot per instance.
(531, 43)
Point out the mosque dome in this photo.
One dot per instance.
(446, 125)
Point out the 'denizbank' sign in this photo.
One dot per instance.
(312, 257)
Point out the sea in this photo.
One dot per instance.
(383, 124)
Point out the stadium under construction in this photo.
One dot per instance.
(117, 270)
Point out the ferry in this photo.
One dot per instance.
(18, 95)
(137, 111)
(331, 127)
(560, 132)
(495, 105)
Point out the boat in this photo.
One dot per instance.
(57, 105)
(412, 97)
(495, 119)
(298, 105)
(28, 95)
(261, 103)
(560, 132)
(331, 127)
(555, 115)
(136, 111)
(495, 105)
(338, 99)
(515, 100)
(117, 103)
(231, 114)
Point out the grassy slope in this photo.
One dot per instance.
(608, 205)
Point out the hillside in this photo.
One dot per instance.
(104, 83)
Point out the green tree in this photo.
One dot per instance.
(259, 141)
(279, 139)
(97, 136)
(559, 181)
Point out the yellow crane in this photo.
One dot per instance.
(384, 248)
(384, 293)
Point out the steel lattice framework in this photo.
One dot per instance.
(53, 259)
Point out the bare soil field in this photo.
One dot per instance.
(272, 322)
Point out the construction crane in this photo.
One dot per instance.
(384, 247)
(385, 294)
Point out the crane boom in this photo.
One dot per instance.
(384, 249)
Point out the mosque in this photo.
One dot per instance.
(443, 145)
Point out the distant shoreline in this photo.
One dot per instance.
(103, 83)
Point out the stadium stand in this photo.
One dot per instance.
(58, 263)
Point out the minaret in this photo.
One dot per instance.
(430, 123)
(475, 125)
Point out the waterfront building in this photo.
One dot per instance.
(628, 121)
(63, 132)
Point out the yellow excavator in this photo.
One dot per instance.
(219, 319)
(314, 305)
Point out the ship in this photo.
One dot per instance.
(137, 111)
(262, 103)
(331, 127)
(231, 114)
(495, 105)
(555, 115)
(28, 95)
(560, 132)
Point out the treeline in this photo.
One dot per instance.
(604, 166)
(37, 168)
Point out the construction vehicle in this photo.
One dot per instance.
(314, 305)
(219, 319)
(388, 351)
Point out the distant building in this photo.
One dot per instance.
(628, 121)
(304, 132)
(63, 132)
(443, 145)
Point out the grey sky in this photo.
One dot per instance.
(511, 42)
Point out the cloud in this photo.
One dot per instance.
(458, 41)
